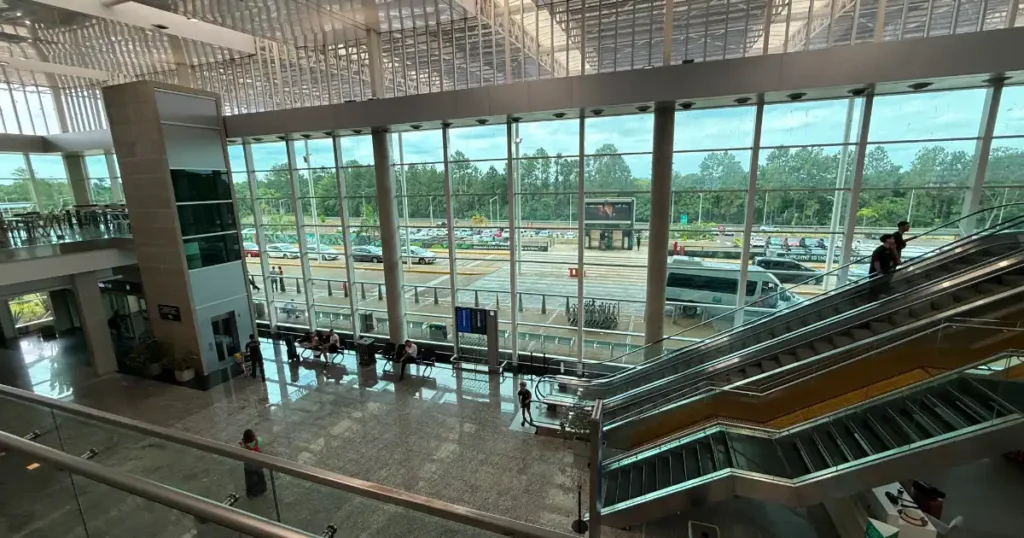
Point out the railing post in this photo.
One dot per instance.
(596, 438)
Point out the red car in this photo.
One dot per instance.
(252, 250)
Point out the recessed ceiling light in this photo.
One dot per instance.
(741, 100)
(686, 105)
(919, 85)
(161, 26)
(796, 96)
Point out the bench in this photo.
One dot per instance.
(426, 358)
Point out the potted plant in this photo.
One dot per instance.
(149, 356)
(183, 366)
(437, 331)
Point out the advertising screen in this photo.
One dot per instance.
(619, 210)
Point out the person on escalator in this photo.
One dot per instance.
(525, 400)
(899, 243)
(883, 262)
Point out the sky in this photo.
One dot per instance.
(921, 117)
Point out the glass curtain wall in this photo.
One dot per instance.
(53, 191)
(104, 178)
(16, 187)
(921, 161)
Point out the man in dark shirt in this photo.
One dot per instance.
(883, 259)
(525, 399)
(255, 356)
(899, 242)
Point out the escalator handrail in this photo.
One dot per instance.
(719, 422)
(817, 330)
(707, 388)
(361, 488)
(718, 338)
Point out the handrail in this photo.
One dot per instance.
(740, 358)
(362, 488)
(194, 505)
(708, 386)
(718, 337)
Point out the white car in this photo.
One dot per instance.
(283, 250)
(767, 228)
(757, 241)
(322, 252)
(421, 256)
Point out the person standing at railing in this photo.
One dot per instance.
(255, 482)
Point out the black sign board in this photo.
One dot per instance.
(169, 312)
(608, 211)
(471, 320)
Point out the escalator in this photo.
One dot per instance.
(953, 419)
(975, 249)
(843, 334)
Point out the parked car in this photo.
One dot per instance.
(251, 250)
(421, 256)
(756, 241)
(790, 271)
(367, 253)
(322, 252)
(283, 250)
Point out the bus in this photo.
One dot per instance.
(693, 281)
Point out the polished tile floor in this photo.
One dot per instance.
(446, 435)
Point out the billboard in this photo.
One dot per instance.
(613, 210)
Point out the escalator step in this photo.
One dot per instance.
(879, 327)
(625, 477)
(859, 334)
(692, 461)
(821, 347)
(808, 453)
(611, 488)
(840, 340)
(650, 475)
(785, 359)
(676, 467)
(664, 474)
(636, 480)
(804, 353)
(770, 364)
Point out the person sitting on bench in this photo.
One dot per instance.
(333, 344)
(408, 355)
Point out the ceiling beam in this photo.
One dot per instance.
(36, 66)
(148, 17)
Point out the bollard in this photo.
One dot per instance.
(497, 301)
(566, 303)
(362, 290)
(329, 292)
(435, 296)
(344, 288)
(543, 304)
(520, 303)
(476, 298)
(416, 294)
(380, 293)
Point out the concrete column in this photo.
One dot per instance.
(657, 238)
(94, 323)
(7, 328)
(387, 215)
(78, 178)
(60, 301)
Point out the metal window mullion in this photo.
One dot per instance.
(32, 182)
(600, 36)
(580, 202)
(810, 24)
(506, 39)
(725, 30)
(480, 41)
(450, 217)
(928, 17)
(511, 180)
(855, 188)
(10, 95)
(666, 34)
(748, 220)
(956, 16)
(339, 174)
(261, 240)
(856, 21)
(28, 107)
(767, 25)
(983, 148)
(1011, 15)
(903, 17)
(880, 21)
(300, 229)
(981, 15)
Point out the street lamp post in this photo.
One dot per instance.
(700, 208)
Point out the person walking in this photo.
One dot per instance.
(899, 242)
(273, 279)
(252, 347)
(525, 400)
(280, 279)
(639, 237)
(409, 354)
(255, 482)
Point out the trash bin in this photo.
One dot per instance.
(366, 322)
(364, 351)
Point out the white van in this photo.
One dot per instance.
(693, 280)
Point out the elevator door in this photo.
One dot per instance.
(225, 336)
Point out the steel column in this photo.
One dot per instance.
(855, 188)
(660, 222)
(748, 220)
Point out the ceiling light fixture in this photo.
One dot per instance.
(416, 126)
(857, 92)
(686, 105)
(482, 121)
(597, 111)
(919, 85)
(796, 96)
(559, 115)
(643, 108)
(741, 100)
(161, 26)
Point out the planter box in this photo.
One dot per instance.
(184, 375)
(154, 369)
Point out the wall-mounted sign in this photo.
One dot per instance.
(169, 312)
(471, 320)
(122, 286)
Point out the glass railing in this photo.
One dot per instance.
(48, 492)
(942, 340)
(82, 223)
(292, 494)
(708, 332)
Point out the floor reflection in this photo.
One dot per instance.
(52, 368)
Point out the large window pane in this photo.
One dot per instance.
(927, 116)
(212, 250)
